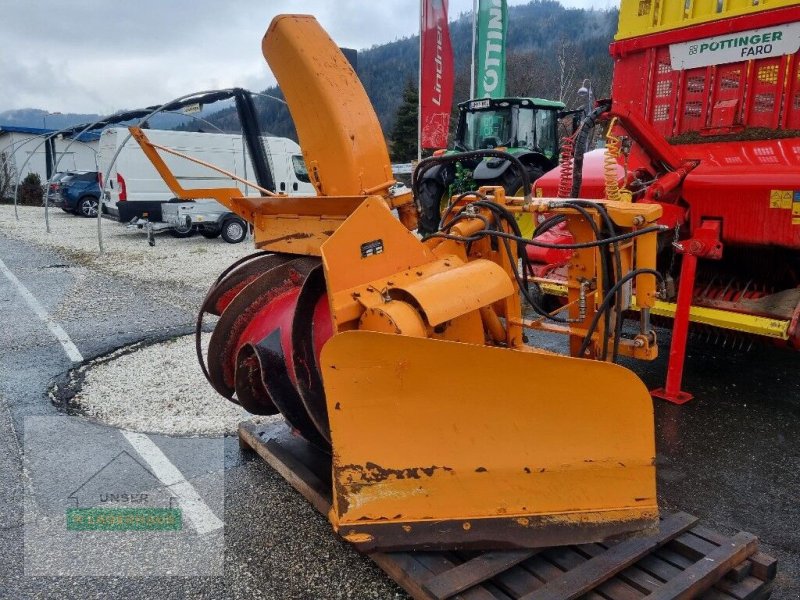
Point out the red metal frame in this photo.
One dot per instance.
(705, 244)
(712, 100)
(744, 193)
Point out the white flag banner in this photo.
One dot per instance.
(736, 47)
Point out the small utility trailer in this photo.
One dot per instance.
(182, 218)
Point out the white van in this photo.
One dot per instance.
(136, 189)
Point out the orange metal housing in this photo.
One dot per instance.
(436, 444)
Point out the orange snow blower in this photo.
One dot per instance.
(407, 359)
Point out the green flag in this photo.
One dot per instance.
(492, 26)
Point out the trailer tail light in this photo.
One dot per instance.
(123, 191)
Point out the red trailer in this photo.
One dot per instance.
(704, 119)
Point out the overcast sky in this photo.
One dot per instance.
(101, 55)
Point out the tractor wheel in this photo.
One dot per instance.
(433, 200)
(184, 231)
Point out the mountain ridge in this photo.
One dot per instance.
(540, 33)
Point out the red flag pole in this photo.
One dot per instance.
(419, 83)
(436, 76)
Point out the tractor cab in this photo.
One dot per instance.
(518, 124)
(526, 128)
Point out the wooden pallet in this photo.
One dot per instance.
(683, 560)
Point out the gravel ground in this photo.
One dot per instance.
(158, 388)
(730, 456)
(193, 262)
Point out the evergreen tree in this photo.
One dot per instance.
(404, 132)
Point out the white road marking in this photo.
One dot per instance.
(72, 351)
(201, 516)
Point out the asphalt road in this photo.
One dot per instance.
(730, 457)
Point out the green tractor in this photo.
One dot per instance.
(524, 127)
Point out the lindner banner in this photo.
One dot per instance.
(436, 63)
(491, 48)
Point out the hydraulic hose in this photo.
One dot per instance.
(532, 242)
(613, 152)
(565, 166)
(548, 224)
(604, 306)
(585, 130)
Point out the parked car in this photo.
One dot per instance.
(54, 189)
(80, 193)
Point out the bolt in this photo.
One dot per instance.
(638, 220)
(638, 343)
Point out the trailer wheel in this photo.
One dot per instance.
(233, 230)
(210, 234)
(182, 232)
(87, 206)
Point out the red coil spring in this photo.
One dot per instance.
(565, 168)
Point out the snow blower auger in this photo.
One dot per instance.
(406, 360)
